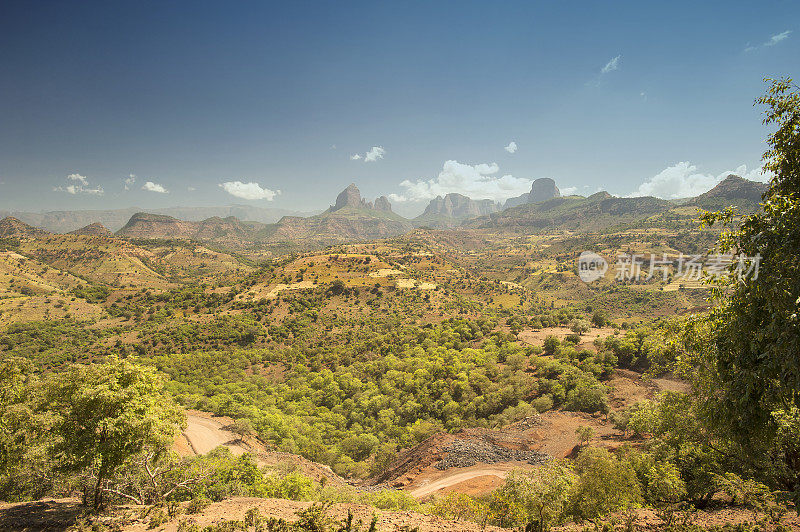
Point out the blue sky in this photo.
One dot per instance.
(201, 99)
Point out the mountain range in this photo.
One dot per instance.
(115, 219)
(353, 218)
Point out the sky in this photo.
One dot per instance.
(156, 104)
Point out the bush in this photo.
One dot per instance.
(587, 398)
(604, 485)
(543, 403)
(393, 500)
(551, 344)
(197, 504)
(458, 507)
(535, 499)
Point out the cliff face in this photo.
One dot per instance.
(453, 208)
(543, 189)
(382, 204)
(351, 197)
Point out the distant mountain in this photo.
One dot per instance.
(735, 191)
(160, 226)
(95, 229)
(542, 189)
(350, 218)
(602, 210)
(573, 213)
(351, 197)
(451, 210)
(11, 227)
(66, 221)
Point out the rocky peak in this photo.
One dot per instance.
(543, 189)
(455, 205)
(349, 197)
(382, 204)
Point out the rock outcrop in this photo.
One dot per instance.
(543, 189)
(450, 210)
(351, 197)
(382, 204)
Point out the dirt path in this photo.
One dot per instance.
(429, 488)
(204, 434)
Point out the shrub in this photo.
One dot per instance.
(551, 344)
(535, 499)
(604, 485)
(587, 398)
(197, 504)
(543, 403)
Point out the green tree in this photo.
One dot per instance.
(585, 434)
(604, 485)
(551, 344)
(25, 470)
(538, 498)
(107, 414)
(746, 364)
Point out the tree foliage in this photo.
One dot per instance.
(747, 354)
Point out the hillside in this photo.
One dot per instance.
(732, 191)
(159, 226)
(11, 227)
(95, 229)
(574, 213)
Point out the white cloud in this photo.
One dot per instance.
(682, 180)
(154, 187)
(129, 181)
(568, 191)
(612, 65)
(773, 40)
(81, 188)
(78, 177)
(476, 181)
(374, 153)
(191, 189)
(249, 191)
(511, 148)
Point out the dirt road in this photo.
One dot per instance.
(204, 434)
(480, 477)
